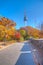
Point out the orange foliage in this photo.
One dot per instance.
(6, 22)
(17, 35)
(33, 31)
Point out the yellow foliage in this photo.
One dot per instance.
(2, 27)
(7, 28)
(11, 31)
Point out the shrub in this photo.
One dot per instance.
(21, 39)
(27, 37)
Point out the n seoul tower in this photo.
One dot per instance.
(25, 19)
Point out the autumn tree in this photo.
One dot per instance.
(7, 29)
(2, 32)
(17, 35)
(8, 23)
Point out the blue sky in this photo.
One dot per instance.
(14, 10)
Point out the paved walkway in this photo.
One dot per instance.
(16, 54)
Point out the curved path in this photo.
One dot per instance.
(17, 54)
